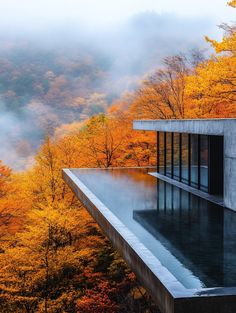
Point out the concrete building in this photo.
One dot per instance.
(198, 153)
(172, 223)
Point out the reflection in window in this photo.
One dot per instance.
(161, 190)
(176, 160)
(194, 161)
(168, 154)
(204, 163)
(169, 200)
(161, 153)
(185, 158)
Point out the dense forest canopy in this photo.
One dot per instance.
(53, 257)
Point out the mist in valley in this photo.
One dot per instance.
(56, 71)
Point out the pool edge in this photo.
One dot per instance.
(169, 294)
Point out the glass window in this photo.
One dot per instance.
(194, 161)
(161, 153)
(204, 163)
(185, 159)
(169, 154)
(176, 159)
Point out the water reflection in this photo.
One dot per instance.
(199, 233)
(194, 239)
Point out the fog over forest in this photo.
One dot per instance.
(69, 71)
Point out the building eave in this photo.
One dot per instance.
(193, 126)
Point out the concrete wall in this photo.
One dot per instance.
(223, 127)
(230, 164)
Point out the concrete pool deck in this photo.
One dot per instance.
(170, 295)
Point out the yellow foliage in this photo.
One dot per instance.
(50, 245)
(232, 3)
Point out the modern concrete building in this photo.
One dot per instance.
(172, 223)
(198, 153)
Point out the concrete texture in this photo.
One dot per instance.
(220, 127)
(203, 127)
(138, 257)
(169, 294)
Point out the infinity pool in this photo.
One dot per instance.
(193, 238)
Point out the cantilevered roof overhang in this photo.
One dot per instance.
(218, 127)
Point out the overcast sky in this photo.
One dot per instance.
(39, 12)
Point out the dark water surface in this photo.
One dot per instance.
(193, 238)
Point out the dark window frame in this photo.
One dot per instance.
(172, 153)
(185, 180)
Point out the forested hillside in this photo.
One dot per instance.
(59, 76)
(53, 257)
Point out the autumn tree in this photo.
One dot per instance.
(163, 93)
(60, 262)
(212, 89)
(102, 139)
(5, 212)
(38, 270)
(5, 173)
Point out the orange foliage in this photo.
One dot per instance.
(5, 173)
(53, 256)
